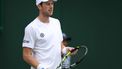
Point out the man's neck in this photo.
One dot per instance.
(43, 19)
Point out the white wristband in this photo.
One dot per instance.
(40, 67)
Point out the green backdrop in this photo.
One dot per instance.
(95, 23)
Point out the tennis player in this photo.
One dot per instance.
(66, 63)
(42, 42)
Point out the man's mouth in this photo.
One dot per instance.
(50, 10)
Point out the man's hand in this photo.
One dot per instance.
(67, 49)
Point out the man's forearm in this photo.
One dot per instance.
(30, 60)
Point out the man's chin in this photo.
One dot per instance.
(50, 14)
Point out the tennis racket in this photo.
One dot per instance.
(77, 56)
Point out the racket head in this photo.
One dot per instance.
(79, 55)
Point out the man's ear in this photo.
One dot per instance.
(39, 7)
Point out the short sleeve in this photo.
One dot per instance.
(29, 37)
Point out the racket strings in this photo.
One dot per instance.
(79, 56)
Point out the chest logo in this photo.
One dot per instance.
(42, 35)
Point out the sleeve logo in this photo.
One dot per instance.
(25, 41)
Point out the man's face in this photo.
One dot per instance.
(46, 8)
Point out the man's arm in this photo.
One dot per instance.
(27, 56)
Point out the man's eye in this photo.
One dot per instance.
(49, 3)
(52, 3)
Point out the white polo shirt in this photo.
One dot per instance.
(45, 40)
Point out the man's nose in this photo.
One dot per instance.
(51, 6)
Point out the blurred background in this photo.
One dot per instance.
(95, 23)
